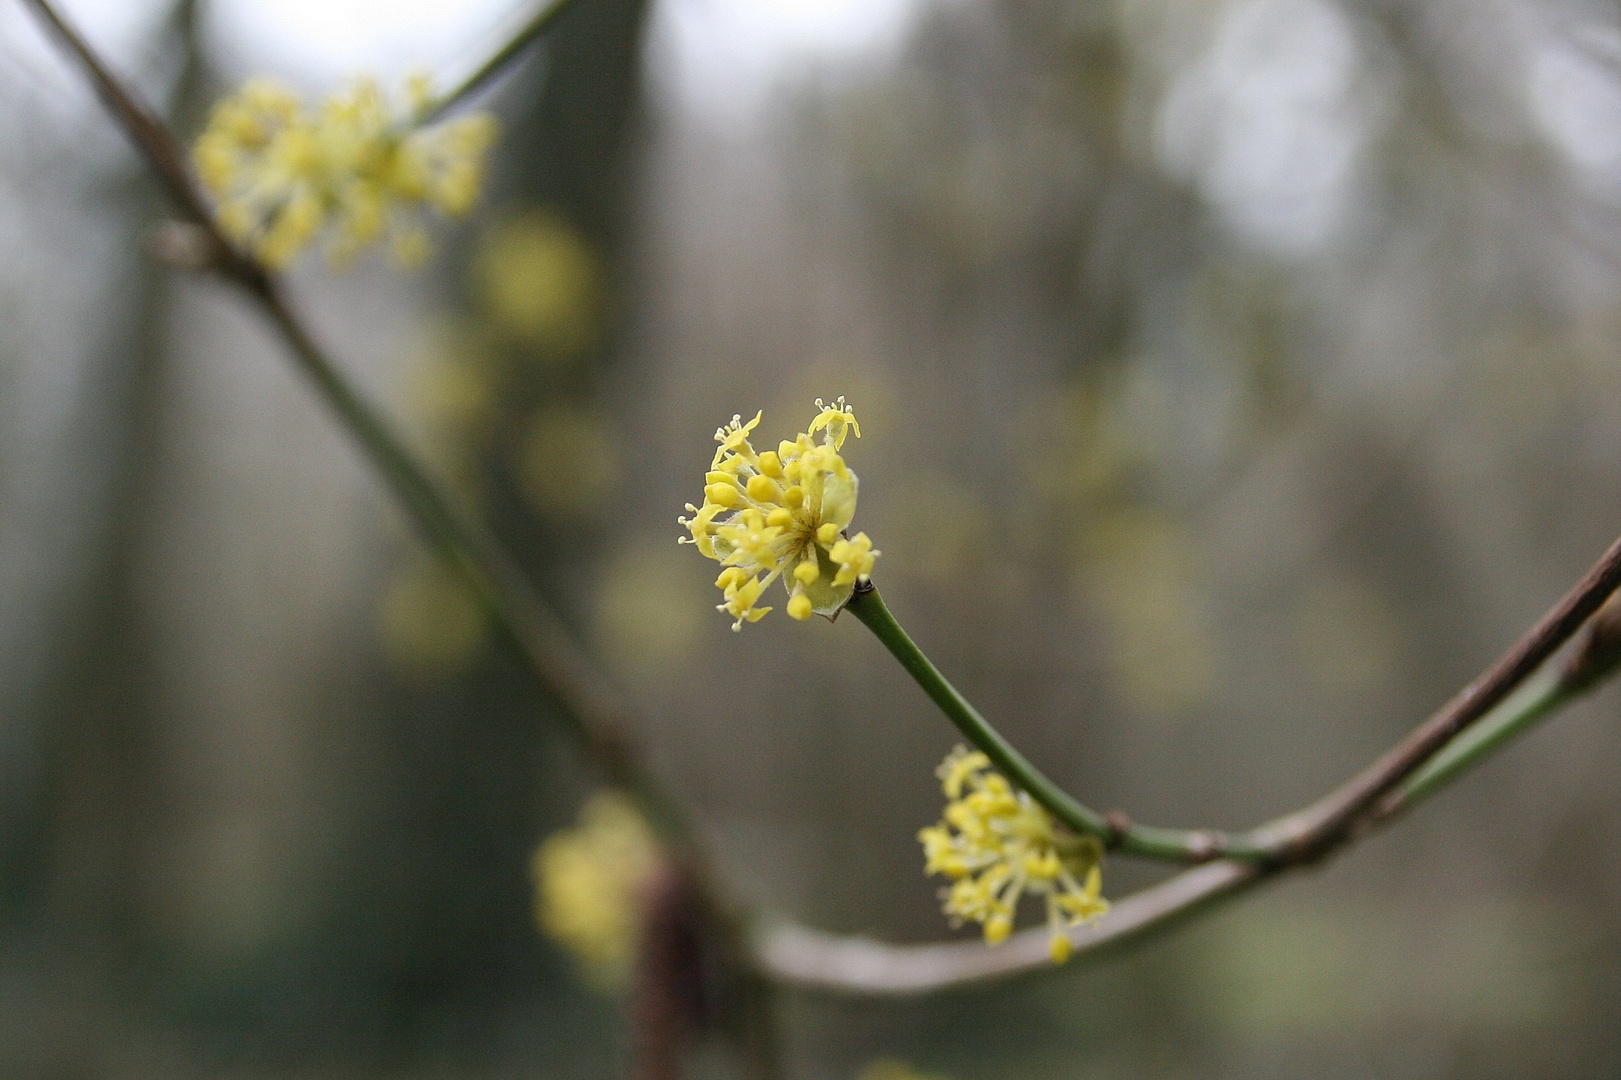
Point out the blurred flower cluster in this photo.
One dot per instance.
(355, 168)
(589, 881)
(499, 394)
(892, 1069)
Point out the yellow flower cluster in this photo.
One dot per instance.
(782, 513)
(589, 882)
(282, 174)
(996, 844)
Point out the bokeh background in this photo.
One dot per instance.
(1237, 378)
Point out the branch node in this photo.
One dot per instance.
(1600, 650)
(1205, 845)
(184, 245)
(1119, 825)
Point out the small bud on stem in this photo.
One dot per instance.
(1600, 649)
(184, 245)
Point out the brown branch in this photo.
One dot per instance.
(1309, 833)
(667, 996)
(799, 956)
(152, 138)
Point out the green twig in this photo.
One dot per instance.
(498, 61)
(1534, 702)
(1114, 830)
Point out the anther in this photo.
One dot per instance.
(724, 494)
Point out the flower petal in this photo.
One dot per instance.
(828, 599)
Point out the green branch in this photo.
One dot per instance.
(1116, 833)
(1533, 703)
(499, 60)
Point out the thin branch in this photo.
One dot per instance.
(1298, 837)
(1301, 835)
(850, 965)
(1114, 830)
(1594, 662)
(1534, 702)
(499, 60)
(152, 138)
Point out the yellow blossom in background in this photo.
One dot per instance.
(939, 527)
(892, 1069)
(567, 462)
(648, 614)
(429, 622)
(995, 843)
(539, 280)
(782, 513)
(355, 169)
(1347, 635)
(589, 882)
(449, 398)
(1139, 569)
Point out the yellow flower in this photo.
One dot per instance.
(589, 882)
(355, 168)
(431, 624)
(996, 844)
(782, 513)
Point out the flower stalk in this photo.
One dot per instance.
(498, 61)
(1112, 830)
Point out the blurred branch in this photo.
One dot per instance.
(1303, 835)
(151, 137)
(852, 965)
(597, 715)
(499, 60)
(667, 996)
(588, 706)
